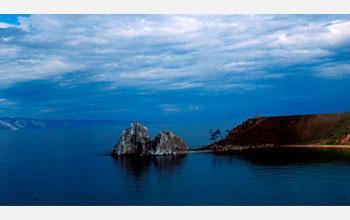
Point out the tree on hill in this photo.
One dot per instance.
(214, 135)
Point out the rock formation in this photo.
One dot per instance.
(167, 143)
(135, 141)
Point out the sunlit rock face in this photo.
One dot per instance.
(135, 141)
(167, 143)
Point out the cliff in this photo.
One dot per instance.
(319, 129)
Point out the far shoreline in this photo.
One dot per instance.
(252, 148)
(312, 146)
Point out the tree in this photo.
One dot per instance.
(214, 134)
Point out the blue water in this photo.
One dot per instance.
(70, 167)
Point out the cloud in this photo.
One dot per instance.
(333, 70)
(88, 56)
(5, 25)
(6, 103)
(175, 108)
(41, 67)
(127, 49)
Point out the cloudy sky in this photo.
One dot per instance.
(173, 67)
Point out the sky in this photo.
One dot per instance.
(174, 68)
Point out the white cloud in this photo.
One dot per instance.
(340, 28)
(6, 103)
(33, 68)
(175, 108)
(165, 52)
(5, 25)
(239, 63)
(167, 108)
(185, 85)
(333, 70)
(8, 51)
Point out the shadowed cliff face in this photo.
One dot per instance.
(284, 130)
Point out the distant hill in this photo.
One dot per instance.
(24, 123)
(322, 129)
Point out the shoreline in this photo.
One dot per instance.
(244, 148)
(312, 146)
(200, 151)
(194, 151)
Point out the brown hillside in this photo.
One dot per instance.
(291, 130)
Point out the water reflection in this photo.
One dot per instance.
(287, 156)
(168, 163)
(139, 168)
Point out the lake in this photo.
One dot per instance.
(69, 166)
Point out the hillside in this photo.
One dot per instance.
(319, 129)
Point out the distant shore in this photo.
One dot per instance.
(314, 146)
(193, 151)
(231, 148)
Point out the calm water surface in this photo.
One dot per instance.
(69, 167)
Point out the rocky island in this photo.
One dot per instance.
(136, 141)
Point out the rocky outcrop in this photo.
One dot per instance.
(136, 141)
(167, 143)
